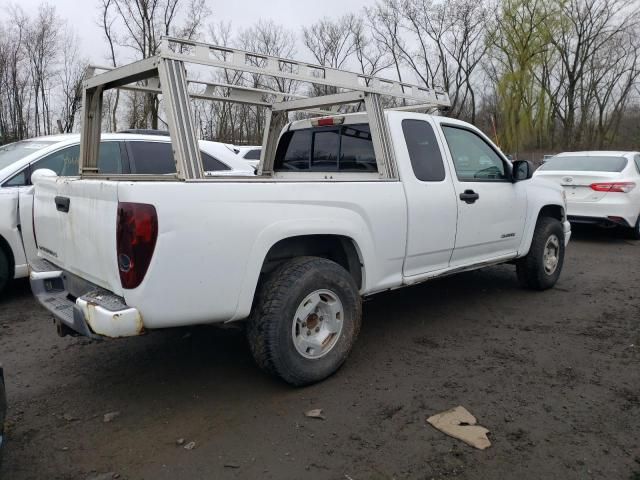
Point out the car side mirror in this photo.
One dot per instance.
(522, 170)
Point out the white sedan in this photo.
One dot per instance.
(602, 188)
(120, 153)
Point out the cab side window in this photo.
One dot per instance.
(474, 159)
(212, 164)
(637, 159)
(424, 152)
(65, 162)
(155, 158)
(18, 180)
(253, 154)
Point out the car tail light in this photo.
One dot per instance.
(620, 187)
(327, 121)
(136, 235)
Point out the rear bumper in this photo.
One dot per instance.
(81, 308)
(611, 210)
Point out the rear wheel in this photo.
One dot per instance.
(305, 320)
(4, 270)
(541, 268)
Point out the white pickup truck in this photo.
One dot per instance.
(331, 218)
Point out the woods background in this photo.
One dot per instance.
(537, 76)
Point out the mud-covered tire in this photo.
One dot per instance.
(4, 271)
(271, 326)
(534, 270)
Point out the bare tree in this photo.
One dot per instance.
(106, 22)
(143, 24)
(71, 75)
(588, 27)
(42, 45)
(384, 22)
(14, 78)
(331, 41)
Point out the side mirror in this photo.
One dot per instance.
(522, 170)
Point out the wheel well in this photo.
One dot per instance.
(337, 248)
(6, 249)
(553, 211)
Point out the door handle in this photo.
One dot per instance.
(469, 197)
(62, 204)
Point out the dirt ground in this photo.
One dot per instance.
(555, 376)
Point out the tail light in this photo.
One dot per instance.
(327, 121)
(620, 187)
(136, 235)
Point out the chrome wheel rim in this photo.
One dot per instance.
(317, 324)
(551, 256)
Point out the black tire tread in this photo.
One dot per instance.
(271, 296)
(528, 268)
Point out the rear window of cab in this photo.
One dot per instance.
(345, 148)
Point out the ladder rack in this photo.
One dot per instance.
(166, 74)
(240, 60)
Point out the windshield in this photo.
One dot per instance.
(15, 151)
(585, 164)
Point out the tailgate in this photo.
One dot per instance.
(75, 227)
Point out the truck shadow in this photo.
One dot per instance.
(15, 290)
(590, 233)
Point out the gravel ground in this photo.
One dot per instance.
(555, 377)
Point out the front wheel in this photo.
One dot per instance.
(542, 266)
(305, 320)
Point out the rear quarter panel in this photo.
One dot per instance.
(214, 236)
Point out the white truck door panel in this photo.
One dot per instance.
(431, 204)
(491, 208)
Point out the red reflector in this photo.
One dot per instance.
(136, 235)
(325, 122)
(620, 187)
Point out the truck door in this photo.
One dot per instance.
(431, 203)
(491, 208)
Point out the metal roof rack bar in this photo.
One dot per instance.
(201, 53)
(235, 93)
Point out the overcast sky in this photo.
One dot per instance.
(83, 14)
